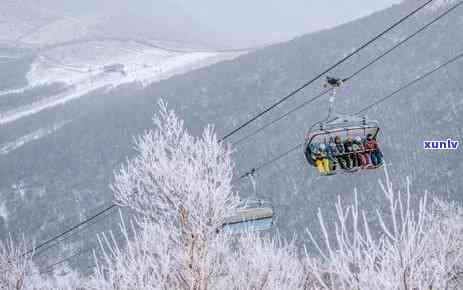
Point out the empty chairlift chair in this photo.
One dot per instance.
(257, 216)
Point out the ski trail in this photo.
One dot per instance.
(36, 135)
(166, 69)
(36, 107)
(14, 91)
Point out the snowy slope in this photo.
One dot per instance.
(34, 24)
(51, 47)
(17, 19)
(15, 144)
(81, 68)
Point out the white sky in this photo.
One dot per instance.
(238, 22)
(260, 21)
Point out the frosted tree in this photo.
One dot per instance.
(265, 263)
(64, 279)
(420, 249)
(13, 265)
(181, 187)
(184, 179)
(18, 272)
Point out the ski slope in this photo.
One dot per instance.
(83, 69)
(38, 134)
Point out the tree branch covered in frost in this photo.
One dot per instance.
(264, 263)
(64, 278)
(13, 265)
(177, 177)
(416, 250)
(153, 260)
(18, 272)
(181, 186)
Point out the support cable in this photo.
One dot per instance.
(376, 59)
(292, 93)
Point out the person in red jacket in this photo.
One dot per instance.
(362, 156)
(375, 153)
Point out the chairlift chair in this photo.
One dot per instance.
(342, 125)
(254, 216)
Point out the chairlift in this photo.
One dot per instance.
(343, 126)
(253, 216)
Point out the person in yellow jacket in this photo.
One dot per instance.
(321, 161)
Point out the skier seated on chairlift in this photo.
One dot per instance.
(338, 152)
(321, 161)
(350, 154)
(375, 154)
(363, 157)
(331, 154)
(350, 149)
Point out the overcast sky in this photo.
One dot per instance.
(260, 21)
(241, 22)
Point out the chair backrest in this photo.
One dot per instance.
(249, 219)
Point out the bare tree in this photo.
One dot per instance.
(420, 249)
(13, 265)
(181, 186)
(63, 279)
(264, 263)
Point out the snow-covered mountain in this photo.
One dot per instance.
(37, 23)
(83, 67)
(51, 57)
(81, 51)
(62, 170)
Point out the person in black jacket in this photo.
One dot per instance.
(350, 157)
(338, 151)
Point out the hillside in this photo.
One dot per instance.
(37, 23)
(67, 172)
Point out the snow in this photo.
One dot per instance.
(14, 91)
(70, 52)
(3, 211)
(59, 30)
(437, 4)
(85, 61)
(81, 67)
(18, 19)
(36, 135)
(56, 31)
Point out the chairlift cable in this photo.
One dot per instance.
(78, 253)
(376, 59)
(282, 117)
(452, 60)
(51, 268)
(424, 27)
(292, 149)
(70, 235)
(43, 244)
(292, 93)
